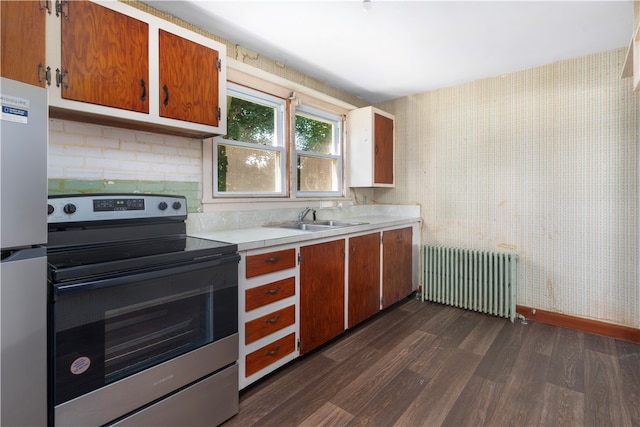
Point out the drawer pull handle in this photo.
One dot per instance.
(272, 259)
(272, 291)
(273, 319)
(272, 352)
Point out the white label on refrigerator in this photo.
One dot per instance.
(14, 109)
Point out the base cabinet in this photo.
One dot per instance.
(267, 310)
(321, 293)
(397, 268)
(294, 298)
(364, 277)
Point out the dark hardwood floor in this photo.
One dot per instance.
(424, 364)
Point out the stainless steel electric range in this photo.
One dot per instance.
(143, 319)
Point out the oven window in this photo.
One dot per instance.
(108, 332)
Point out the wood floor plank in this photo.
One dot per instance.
(562, 407)
(541, 338)
(476, 404)
(356, 394)
(444, 315)
(520, 403)
(365, 334)
(566, 368)
(258, 401)
(511, 374)
(629, 361)
(498, 361)
(482, 336)
(432, 405)
(604, 401)
(387, 406)
(459, 329)
(328, 415)
(296, 408)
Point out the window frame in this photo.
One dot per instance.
(338, 142)
(280, 106)
(294, 93)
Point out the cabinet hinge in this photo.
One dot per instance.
(300, 258)
(45, 4)
(381, 301)
(219, 65)
(219, 113)
(44, 74)
(62, 7)
(62, 78)
(299, 345)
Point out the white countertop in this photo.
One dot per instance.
(260, 237)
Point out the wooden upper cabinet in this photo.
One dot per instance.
(364, 277)
(105, 57)
(397, 265)
(188, 80)
(121, 66)
(370, 148)
(22, 43)
(383, 149)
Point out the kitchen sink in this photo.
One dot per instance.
(319, 225)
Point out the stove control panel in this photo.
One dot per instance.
(100, 207)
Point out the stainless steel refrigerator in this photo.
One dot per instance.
(23, 266)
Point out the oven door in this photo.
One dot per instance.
(113, 332)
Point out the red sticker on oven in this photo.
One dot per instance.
(80, 365)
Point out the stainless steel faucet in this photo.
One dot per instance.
(303, 214)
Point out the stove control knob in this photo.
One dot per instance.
(162, 206)
(176, 205)
(69, 208)
(50, 209)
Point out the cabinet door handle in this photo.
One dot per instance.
(272, 259)
(166, 95)
(273, 319)
(143, 97)
(272, 352)
(272, 291)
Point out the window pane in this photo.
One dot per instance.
(317, 173)
(248, 170)
(248, 121)
(314, 135)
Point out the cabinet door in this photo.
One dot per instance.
(321, 293)
(22, 44)
(397, 265)
(383, 149)
(364, 277)
(105, 57)
(188, 80)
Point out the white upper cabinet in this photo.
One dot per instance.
(371, 148)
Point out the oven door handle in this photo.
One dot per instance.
(125, 279)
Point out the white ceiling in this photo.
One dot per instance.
(395, 48)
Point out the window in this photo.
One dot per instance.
(318, 152)
(251, 158)
(278, 144)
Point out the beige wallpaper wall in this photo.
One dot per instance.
(542, 162)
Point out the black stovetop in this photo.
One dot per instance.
(91, 260)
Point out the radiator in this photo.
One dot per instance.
(474, 280)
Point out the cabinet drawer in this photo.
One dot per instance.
(265, 325)
(270, 262)
(271, 292)
(269, 354)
